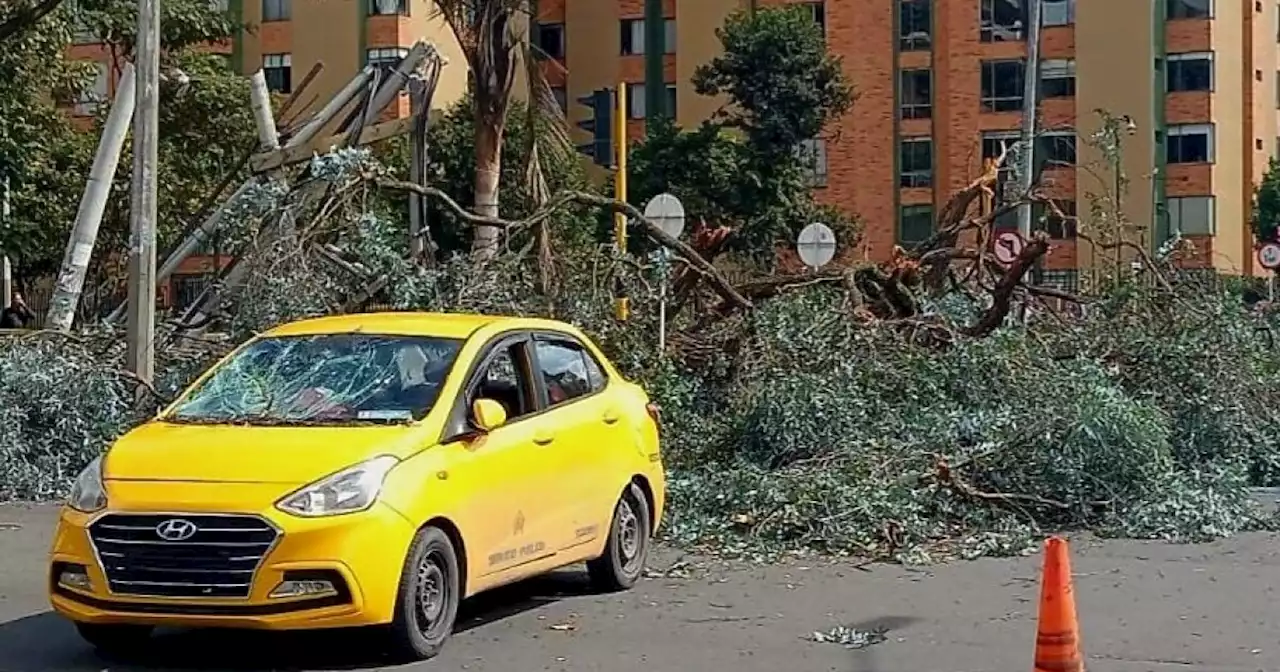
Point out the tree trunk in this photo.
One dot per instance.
(484, 245)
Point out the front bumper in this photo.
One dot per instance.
(360, 555)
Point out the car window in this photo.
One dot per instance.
(322, 379)
(565, 371)
(502, 382)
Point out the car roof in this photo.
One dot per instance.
(443, 325)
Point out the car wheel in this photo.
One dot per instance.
(429, 594)
(627, 549)
(115, 639)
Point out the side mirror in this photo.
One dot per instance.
(488, 415)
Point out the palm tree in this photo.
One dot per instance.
(495, 38)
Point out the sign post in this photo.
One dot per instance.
(1269, 258)
(668, 213)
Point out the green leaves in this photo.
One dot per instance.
(1266, 205)
(776, 69)
(746, 167)
(204, 128)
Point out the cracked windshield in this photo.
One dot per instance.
(326, 379)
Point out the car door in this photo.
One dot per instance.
(509, 517)
(588, 431)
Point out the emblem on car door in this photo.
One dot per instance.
(176, 529)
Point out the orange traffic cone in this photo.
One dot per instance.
(1057, 632)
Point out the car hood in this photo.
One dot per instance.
(160, 451)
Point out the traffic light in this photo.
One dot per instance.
(600, 126)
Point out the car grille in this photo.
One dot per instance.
(218, 560)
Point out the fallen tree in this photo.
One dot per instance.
(864, 410)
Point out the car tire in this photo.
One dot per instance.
(627, 548)
(428, 597)
(116, 639)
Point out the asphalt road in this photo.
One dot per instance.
(1144, 607)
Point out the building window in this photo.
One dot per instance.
(388, 7)
(917, 94)
(1058, 78)
(550, 38)
(915, 224)
(1003, 20)
(278, 69)
(1190, 72)
(819, 10)
(915, 25)
(1065, 279)
(1056, 149)
(636, 101)
(813, 156)
(222, 6)
(1002, 85)
(1057, 12)
(88, 101)
(1190, 143)
(1189, 9)
(916, 155)
(1191, 215)
(1059, 225)
(276, 10)
(633, 37)
(385, 59)
(562, 97)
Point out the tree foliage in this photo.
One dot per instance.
(1266, 205)
(452, 162)
(205, 125)
(744, 168)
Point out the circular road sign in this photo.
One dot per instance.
(668, 212)
(1269, 256)
(816, 245)
(1008, 246)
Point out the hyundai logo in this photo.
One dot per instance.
(176, 529)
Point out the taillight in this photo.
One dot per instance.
(655, 411)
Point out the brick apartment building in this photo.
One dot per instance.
(940, 84)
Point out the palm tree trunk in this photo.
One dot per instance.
(484, 245)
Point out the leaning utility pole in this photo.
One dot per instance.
(1030, 105)
(140, 353)
(84, 234)
(655, 84)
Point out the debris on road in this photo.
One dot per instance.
(849, 638)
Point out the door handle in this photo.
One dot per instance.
(543, 439)
(610, 417)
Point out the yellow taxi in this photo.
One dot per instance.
(364, 470)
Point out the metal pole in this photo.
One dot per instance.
(623, 306)
(140, 353)
(655, 85)
(6, 279)
(396, 80)
(662, 315)
(331, 109)
(1030, 100)
(6, 266)
(417, 147)
(84, 234)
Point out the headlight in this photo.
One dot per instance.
(88, 494)
(350, 490)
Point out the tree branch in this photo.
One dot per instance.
(23, 19)
(563, 199)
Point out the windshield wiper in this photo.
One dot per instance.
(273, 421)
